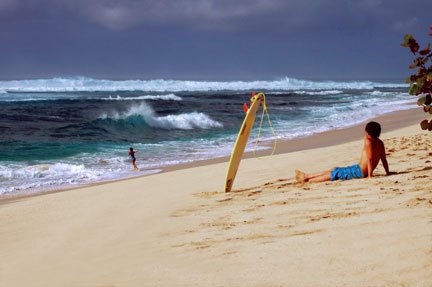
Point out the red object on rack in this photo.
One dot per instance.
(245, 107)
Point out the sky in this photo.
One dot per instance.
(210, 39)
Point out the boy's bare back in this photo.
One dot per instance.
(373, 151)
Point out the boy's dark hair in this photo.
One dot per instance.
(131, 149)
(374, 129)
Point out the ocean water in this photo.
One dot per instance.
(65, 132)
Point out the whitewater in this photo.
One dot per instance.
(63, 132)
(82, 84)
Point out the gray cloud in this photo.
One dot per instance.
(208, 38)
(290, 15)
(7, 5)
(206, 13)
(241, 14)
(406, 25)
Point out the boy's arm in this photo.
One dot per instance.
(384, 159)
(369, 151)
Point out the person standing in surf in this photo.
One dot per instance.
(132, 157)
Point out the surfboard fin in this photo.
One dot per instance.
(245, 108)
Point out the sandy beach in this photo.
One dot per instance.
(179, 228)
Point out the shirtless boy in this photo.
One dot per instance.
(373, 151)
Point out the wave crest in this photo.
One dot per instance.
(83, 84)
(185, 121)
(168, 97)
(42, 170)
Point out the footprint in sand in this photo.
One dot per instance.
(208, 194)
(254, 193)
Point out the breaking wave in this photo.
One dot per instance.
(169, 97)
(184, 121)
(18, 177)
(83, 84)
(320, 93)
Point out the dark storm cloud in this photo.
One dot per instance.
(249, 14)
(225, 14)
(208, 38)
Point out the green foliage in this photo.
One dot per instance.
(421, 81)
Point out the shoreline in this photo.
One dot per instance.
(390, 122)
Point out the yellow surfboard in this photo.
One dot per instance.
(242, 139)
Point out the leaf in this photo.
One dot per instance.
(413, 65)
(428, 100)
(407, 37)
(414, 89)
(421, 101)
(425, 51)
(424, 124)
(413, 45)
(420, 82)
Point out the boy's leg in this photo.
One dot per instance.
(309, 176)
(317, 177)
(324, 176)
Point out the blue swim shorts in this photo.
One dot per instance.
(346, 173)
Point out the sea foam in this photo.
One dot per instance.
(184, 121)
(168, 97)
(19, 177)
(161, 85)
(42, 170)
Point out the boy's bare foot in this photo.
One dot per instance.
(300, 176)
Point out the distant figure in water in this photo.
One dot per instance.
(373, 152)
(132, 157)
